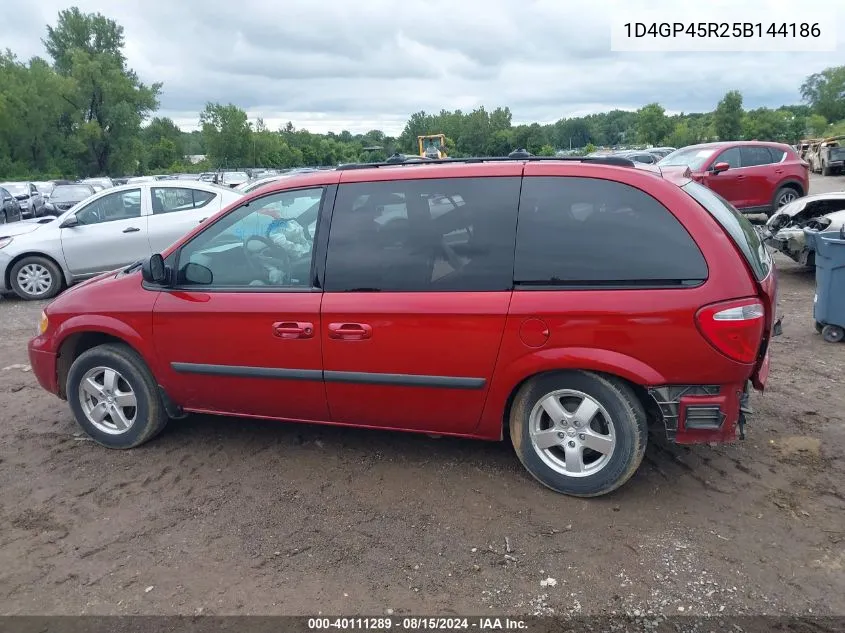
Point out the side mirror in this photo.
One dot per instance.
(197, 274)
(718, 168)
(69, 222)
(153, 269)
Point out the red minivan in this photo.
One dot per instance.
(567, 303)
(755, 177)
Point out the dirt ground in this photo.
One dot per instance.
(228, 516)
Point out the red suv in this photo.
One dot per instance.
(563, 302)
(755, 177)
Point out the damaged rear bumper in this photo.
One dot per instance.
(707, 414)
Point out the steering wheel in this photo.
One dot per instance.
(268, 255)
(451, 256)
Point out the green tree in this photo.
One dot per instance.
(164, 145)
(652, 124)
(727, 118)
(227, 135)
(764, 124)
(681, 135)
(817, 124)
(825, 92)
(109, 99)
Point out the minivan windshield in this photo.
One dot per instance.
(737, 225)
(693, 157)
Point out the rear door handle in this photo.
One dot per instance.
(293, 329)
(350, 331)
(131, 229)
(201, 221)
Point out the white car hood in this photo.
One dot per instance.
(796, 207)
(24, 226)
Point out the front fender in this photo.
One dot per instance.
(511, 374)
(103, 324)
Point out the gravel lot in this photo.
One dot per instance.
(227, 516)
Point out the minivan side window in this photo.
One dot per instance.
(588, 232)
(265, 243)
(444, 234)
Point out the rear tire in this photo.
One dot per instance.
(32, 274)
(784, 196)
(826, 171)
(595, 441)
(102, 384)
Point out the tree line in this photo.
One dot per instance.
(84, 112)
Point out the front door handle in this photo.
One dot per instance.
(202, 220)
(131, 229)
(293, 329)
(350, 331)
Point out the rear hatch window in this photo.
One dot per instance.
(737, 226)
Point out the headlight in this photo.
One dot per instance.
(5, 241)
(42, 323)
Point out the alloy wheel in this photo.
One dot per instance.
(786, 197)
(572, 433)
(108, 400)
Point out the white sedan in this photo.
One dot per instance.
(109, 230)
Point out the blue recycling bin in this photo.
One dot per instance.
(829, 302)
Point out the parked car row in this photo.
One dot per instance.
(23, 200)
(98, 232)
(20, 200)
(648, 156)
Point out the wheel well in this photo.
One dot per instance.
(650, 406)
(8, 279)
(72, 347)
(793, 185)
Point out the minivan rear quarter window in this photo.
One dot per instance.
(595, 232)
(740, 229)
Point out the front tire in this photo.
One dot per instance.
(36, 277)
(114, 397)
(578, 433)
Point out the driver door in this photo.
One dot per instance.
(111, 232)
(729, 184)
(239, 334)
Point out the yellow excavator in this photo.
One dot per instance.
(432, 146)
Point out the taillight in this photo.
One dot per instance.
(735, 328)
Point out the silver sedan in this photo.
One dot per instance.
(107, 231)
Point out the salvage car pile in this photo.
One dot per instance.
(784, 231)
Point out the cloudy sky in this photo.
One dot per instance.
(364, 64)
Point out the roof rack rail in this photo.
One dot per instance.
(618, 161)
